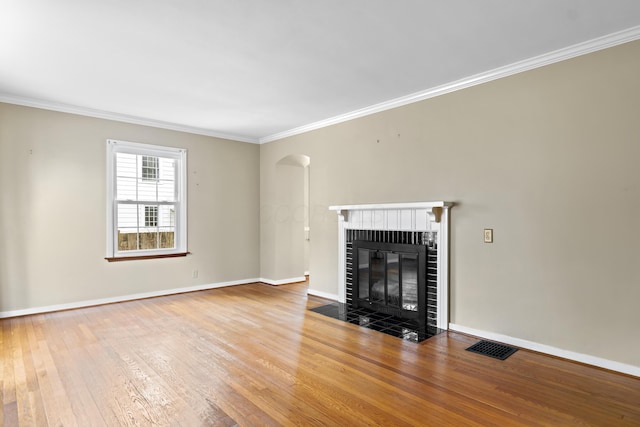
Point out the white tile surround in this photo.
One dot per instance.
(415, 216)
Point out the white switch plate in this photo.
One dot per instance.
(488, 235)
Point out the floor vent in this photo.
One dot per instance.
(492, 349)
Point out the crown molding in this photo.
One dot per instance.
(600, 43)
(100, 114)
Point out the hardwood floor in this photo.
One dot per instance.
(253, 355)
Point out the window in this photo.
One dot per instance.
(146, 200)
(149, 168)
(150, 216)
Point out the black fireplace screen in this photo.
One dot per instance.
(390, 278)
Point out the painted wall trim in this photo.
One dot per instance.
(600, 43)
(283, 281)
(108, 115)
(326, 295)
(123, 298)
(547, 349)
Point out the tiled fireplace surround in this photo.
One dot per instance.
(411, 223)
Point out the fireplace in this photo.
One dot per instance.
(390, 278)
(393, 278)
(393, 259)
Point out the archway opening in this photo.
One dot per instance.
(292, 216)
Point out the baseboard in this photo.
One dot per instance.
(547, 349)
(326, 295)
(131, 297)
(282, 281)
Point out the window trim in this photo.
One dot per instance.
(180, 239)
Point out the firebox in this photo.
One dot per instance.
(391, 278)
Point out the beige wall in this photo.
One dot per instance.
(547, 158)
(53, 211)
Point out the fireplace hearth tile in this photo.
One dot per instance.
(385, 323)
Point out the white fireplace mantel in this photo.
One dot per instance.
(413, 216)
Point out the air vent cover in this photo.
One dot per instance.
(492, 349)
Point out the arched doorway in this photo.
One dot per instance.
(292, 233)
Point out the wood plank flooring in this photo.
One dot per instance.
(253, 355)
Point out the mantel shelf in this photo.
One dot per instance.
(388, 206)
(432, 209)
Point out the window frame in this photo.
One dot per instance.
(180, 238)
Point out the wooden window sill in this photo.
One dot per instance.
(138, 258)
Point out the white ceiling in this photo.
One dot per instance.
(254, 70)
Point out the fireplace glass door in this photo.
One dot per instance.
(390, 277)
